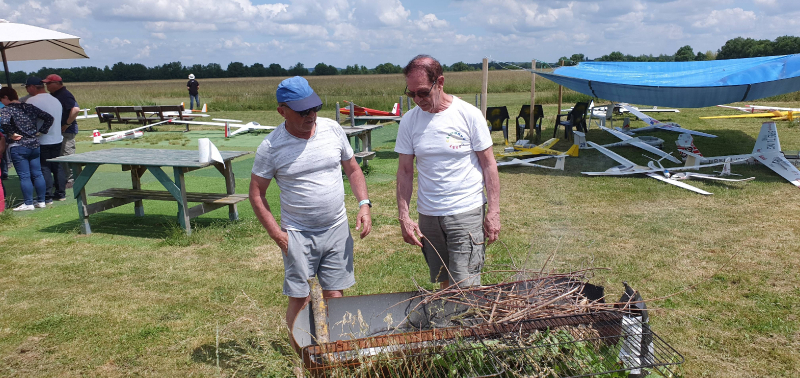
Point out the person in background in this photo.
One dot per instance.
(50, 143)
(19, 121)
(194, 97)
(454, 159)
(69, 126)
(305, 155)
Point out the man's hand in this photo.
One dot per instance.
(411, 232)
(16, 136)
(364, 218)
(282, 240)
(491, 227)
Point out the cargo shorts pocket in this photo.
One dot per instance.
(467, 260)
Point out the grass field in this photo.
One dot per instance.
(139, 298)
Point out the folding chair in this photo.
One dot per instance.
(575, 118)
(606, 121)
(495, 116)
(525, 114)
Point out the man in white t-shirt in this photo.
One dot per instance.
(453, 147)
(305, 155)
(50, 143)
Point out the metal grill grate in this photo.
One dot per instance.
(607, 342)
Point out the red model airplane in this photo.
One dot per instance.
(362, 111)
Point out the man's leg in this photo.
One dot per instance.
(466, 246)
(67, 148)
(49, 151)
(434, 249)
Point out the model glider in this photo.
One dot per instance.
(228, 124)
(766, 151)
(660, 173)
(530, 162)
(644, 142)
(524, 147)
(655, 124)
(86, 114)
(758, 108)
(362, 111)
(120, 135)
(775, 115)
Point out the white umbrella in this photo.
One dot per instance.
(25, 42)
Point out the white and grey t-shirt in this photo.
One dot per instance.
(308, 172)
(449, 173)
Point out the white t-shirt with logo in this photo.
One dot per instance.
(308, 172)
(449, 173)
(52, 106)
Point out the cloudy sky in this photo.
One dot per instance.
(371, 32)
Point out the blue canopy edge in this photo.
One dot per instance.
(683, 84)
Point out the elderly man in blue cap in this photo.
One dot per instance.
(305, 155)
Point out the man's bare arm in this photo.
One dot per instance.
(405, 185)
(491, 179)
(258, 188)
(358, 184)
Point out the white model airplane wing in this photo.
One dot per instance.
(679, 184)
(767, 139)
(778, 163)
(678, 128)
(132, 130)
(647, 119)
(702, 176)
(523, 161)
(635, 142)
(611, 154)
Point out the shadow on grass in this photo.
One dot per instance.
(149, 226)
(386, 154)
(245, 357)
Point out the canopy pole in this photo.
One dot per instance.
(5, 64)
(533, 83)
(560, 94)
(485, 87)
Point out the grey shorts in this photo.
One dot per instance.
(326, 254)
(460, 244)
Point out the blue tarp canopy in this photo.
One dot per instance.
(683, 84)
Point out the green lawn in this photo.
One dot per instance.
(139, 298)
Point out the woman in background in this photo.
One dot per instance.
(20, 122)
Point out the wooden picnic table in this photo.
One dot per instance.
(140, 160)
(363, 141)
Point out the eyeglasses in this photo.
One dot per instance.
(420, 93)
(306, 112)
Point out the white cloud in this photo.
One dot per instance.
(159, 35)
(429, 22)
(115, 42)
(143, 53)
(733, 17)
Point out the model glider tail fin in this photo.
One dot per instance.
(205, 109)
(685, 143)
(580, 139)
(573, 151)
(96, 138)
(726, 168)
(396, 109)
(560, 162)
(767, 139)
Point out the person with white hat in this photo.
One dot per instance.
(193, 87)
(305, 155)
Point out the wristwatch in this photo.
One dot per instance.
(365, 202)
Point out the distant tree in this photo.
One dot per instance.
(237, 69)
(388, 68)
(684, 54)
(577, 58)
(212, 70)
(351, 70)
(324, 69)
(460, 66)
(745, 48)
(258, 70)
(786, 45)
(18, 77)
(275, 69)
(711, 55)
(298, 70)
(701, 56)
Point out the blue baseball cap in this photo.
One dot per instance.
(33, 80)
(297, 94)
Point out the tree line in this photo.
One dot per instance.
(733, 49)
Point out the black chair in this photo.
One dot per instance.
(525, 114)
(495, 116)
(575, 118)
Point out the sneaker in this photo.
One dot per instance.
(69, 184)
(62, 199)
(24, 207)
(40, 205)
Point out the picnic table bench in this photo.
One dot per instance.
(140, 160)
(144, 115)
(363, 141)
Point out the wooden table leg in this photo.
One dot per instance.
(183, 207)
(82, 176)
(136, 175)
(230, 188)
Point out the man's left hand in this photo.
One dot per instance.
(491, 226)
(364, 221)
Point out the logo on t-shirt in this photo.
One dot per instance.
(456, 140)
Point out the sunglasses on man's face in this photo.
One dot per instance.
(421, 94)
(306, 112)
